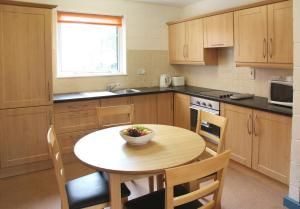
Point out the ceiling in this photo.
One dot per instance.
(178, 3)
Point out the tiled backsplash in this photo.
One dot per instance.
(226, 76)
(155, 62)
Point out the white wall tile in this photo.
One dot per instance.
(294, 193)
(296, 125)
(296, 107)
(296, 78)
(295, 157)
(297, 54)
(295, 175)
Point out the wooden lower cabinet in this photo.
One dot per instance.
(182, 110)
(145, 109)
(259, 140)
(272, 145)
(23, 134)
(165, 109)
(115, 102)
(238, 137)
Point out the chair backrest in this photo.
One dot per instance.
(110, 111)
(219, 121)
(55, 153)
(191, 172)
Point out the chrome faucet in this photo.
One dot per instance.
(111, 86)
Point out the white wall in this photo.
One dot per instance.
(147, 42)
(206, 6)
(294, 192)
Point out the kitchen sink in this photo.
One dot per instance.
(126, 91)
(97, 93)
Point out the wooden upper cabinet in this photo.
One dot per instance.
(272, 145)
(25, 56)
(145, 108)
(182, 111)
(251, 35)
(165, 108)
(264, 36)
(280, 32)
(218, 31)
(23, 134)
(186, 44)
(177, 42)
(238, 137)
(194, 45)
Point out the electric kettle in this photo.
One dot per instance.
(165, 80)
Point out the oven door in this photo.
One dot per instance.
(205, 126)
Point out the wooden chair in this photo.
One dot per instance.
(90, 191)
(176, 196)
(214, 144)
(110, 113)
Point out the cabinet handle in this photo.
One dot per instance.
(271, 47)
(49, 92)
(248, 124)
(217, 45)
(264, 48)
(187, 51)
(255, 126)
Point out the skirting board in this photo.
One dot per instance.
(290, 203)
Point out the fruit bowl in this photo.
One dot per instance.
(137, 135)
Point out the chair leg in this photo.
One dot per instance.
(151, 183)
(160, 181)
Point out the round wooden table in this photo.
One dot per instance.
(106, 150)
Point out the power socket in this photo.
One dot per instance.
(252, 74)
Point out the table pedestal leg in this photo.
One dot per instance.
(115, 191)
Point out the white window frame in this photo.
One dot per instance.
(122, 65)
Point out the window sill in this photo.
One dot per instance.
(89, 76)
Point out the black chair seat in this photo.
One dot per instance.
(156, 200)
(90, 190)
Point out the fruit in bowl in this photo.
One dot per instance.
(137, 135)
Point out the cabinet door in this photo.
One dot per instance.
(238, 137)
(23, 134)
(272, 145)
(182, 110)
(177, 42)
(218, 31)
(25, 56)
(115, 102)
(194, 32)
(280, 29)
(251, 33)
(145, 109)
(165, 107)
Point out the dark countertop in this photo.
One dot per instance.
(259, 103)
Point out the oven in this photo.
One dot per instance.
(207, 106)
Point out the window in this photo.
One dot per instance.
(90, 45)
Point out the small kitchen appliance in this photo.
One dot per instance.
(165, 81)
(281, 91)
(177, 81)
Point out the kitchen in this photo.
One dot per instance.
(148, 45)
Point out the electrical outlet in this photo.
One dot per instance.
(252, 74)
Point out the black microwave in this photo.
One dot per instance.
(281, 92)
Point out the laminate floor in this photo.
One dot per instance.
(243, 189)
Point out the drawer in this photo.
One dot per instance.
(75, 121)
(68, 140)
(76, 106)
